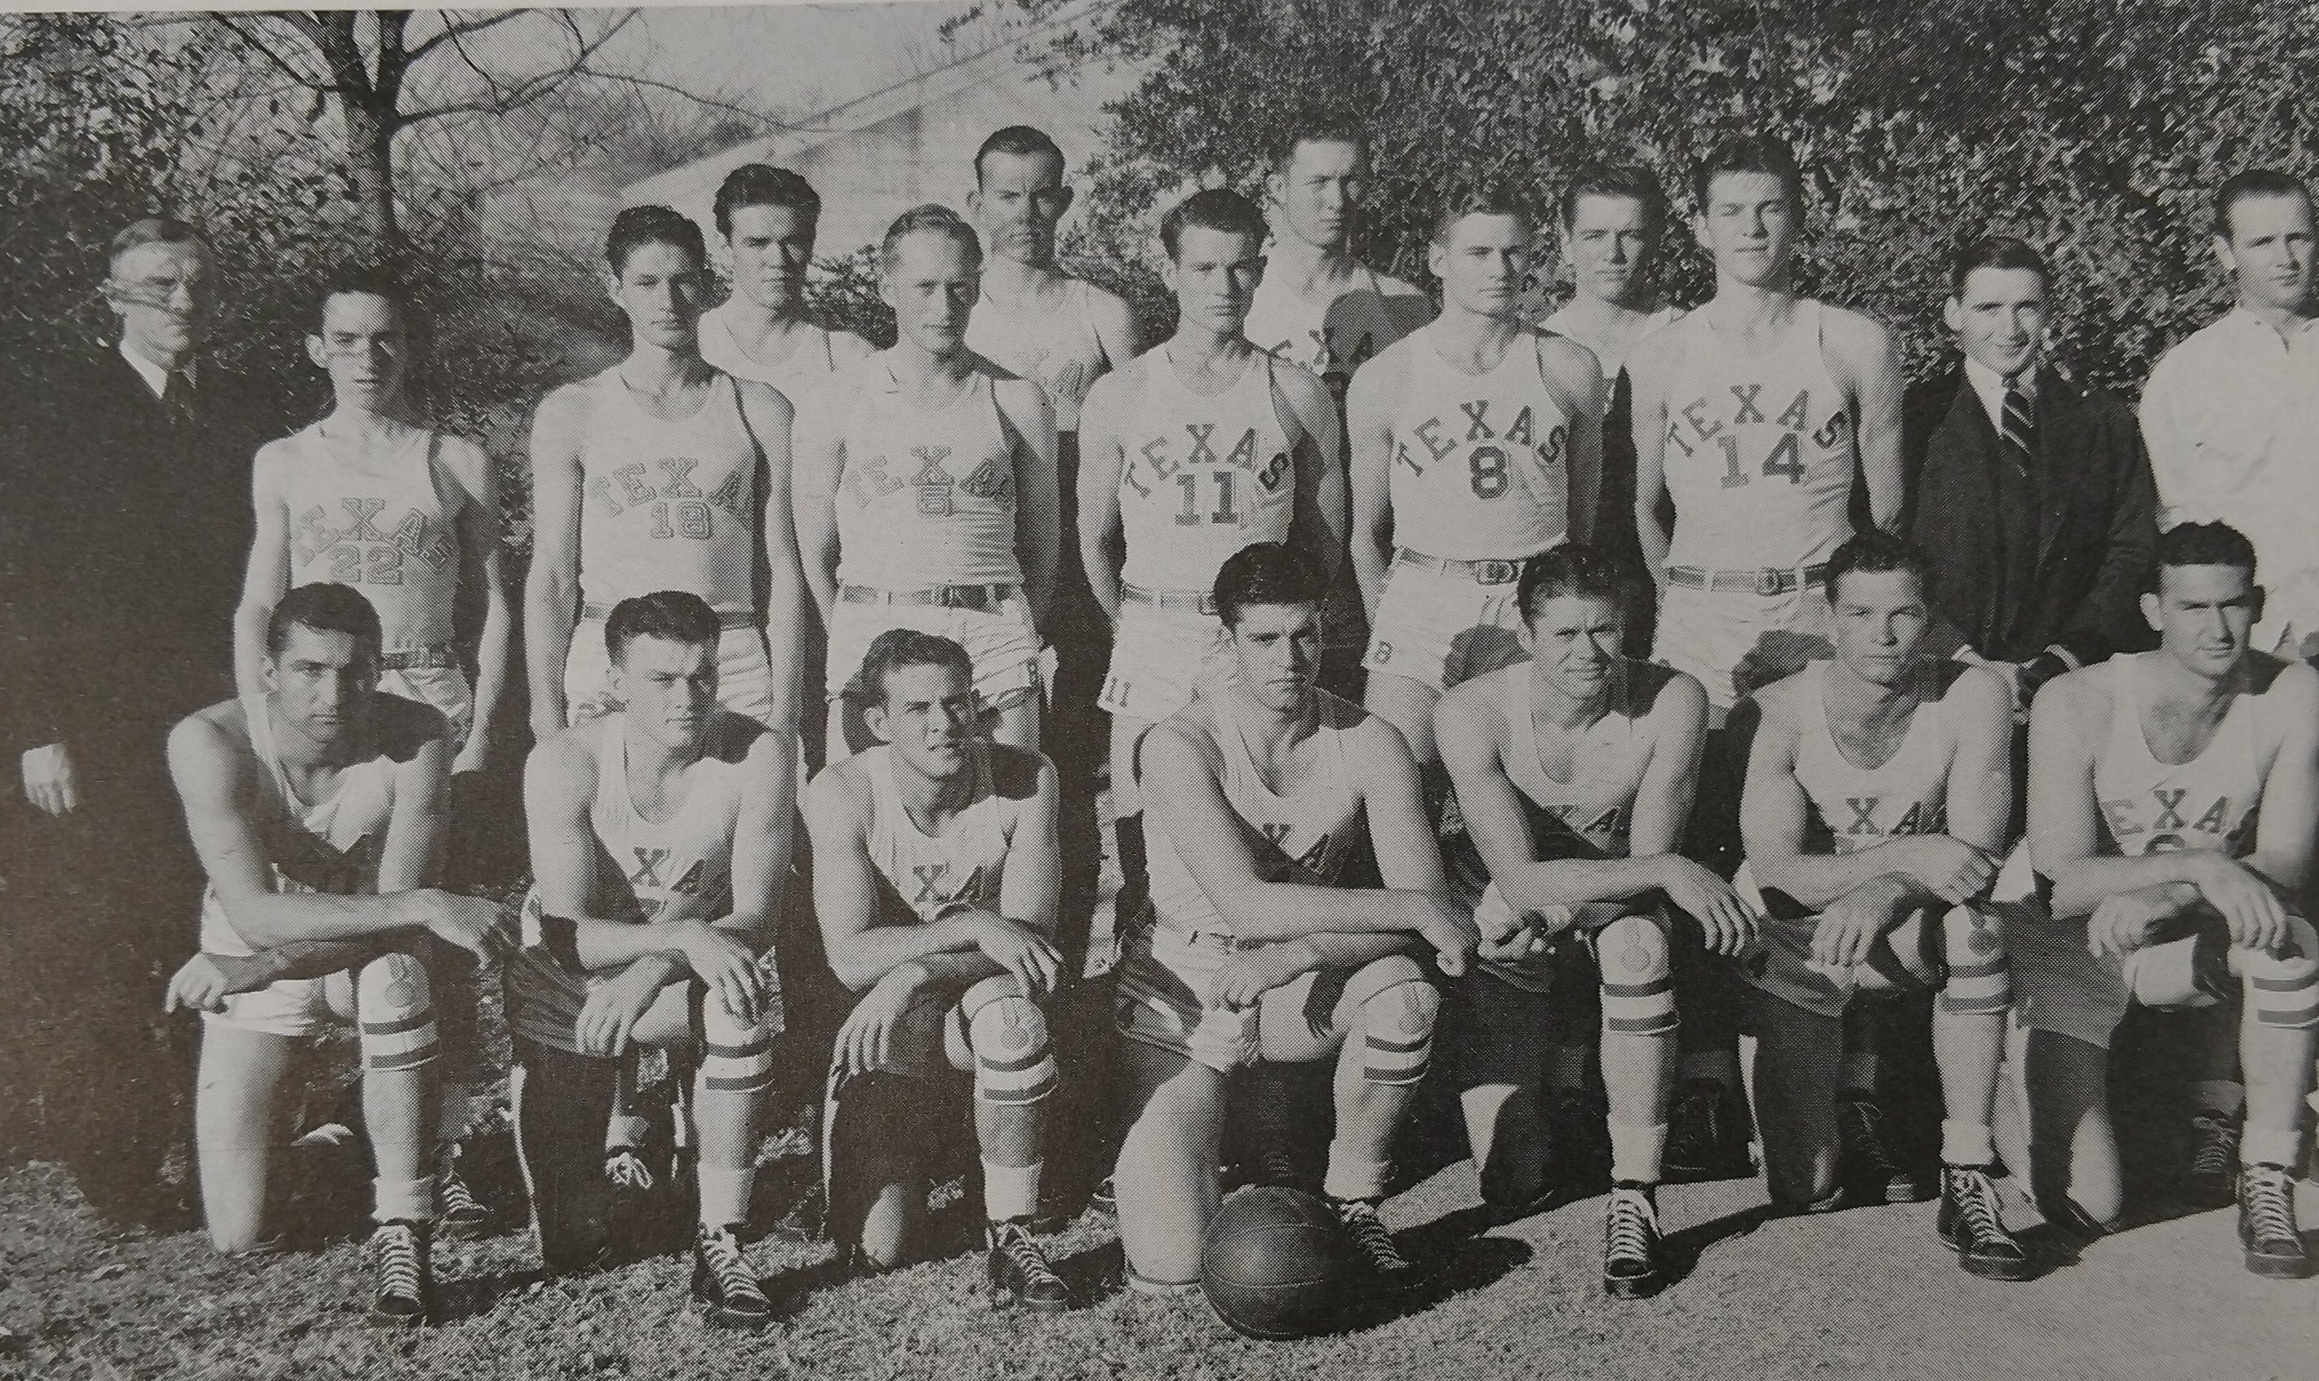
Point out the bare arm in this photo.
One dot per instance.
(1575, 379)
(1116, 329)
(1101, 463)
(1876, 394)
(1317, 526)
(551, 591)
(817, 462)
(1648, 426)
(267, 575)
(1773, 812)
(769, 417)
(849, 896)
(1980, 786)
(559, 780)
(480, 560)
(1038, 497)
(1369, 439)
(2065, 730)
(762, 838)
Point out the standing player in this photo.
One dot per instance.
(1258, 791)
(1879, 795)
(1194, 451)
(768, 217)
(1758, 414)
(661, 473)
(1475, 446)
(1614, 220)
(2173, 800)
(926, 486)
(936, 879)
(660, 842)
(317, 807)
(1575, 774)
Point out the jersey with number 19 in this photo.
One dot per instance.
(668, 504)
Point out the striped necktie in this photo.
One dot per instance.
(2020, 427)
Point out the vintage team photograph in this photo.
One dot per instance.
(1160, 689)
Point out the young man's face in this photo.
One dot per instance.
(164, 294)
(2203, 615)
(1320, 191)
(1574, 641)
(1214, 275)
(661, 288)
(1610, 243)
(932, 288)
(1749, 225)
(365, 348)
(322, 682)
(928, 715)
(1278, 649)
(2000, 318)
(667, 688)
(1482, 263)
(1880, 624)
(1017, 203)
(2269, 251)
(772, 248)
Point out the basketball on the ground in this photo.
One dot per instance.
(1276, 1264)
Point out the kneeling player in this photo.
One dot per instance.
(2173, 800)
(935, 875)
(1575, 773)
(659, 841)
(316, 809)
(1257, 792)
(1878, 790)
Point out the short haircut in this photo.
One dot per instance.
(1876, 552)
(2203, 544)
(639, 226)
(1497, 199)
(1317, 127)
(676, 616)
(153, 230)
(1018, 141)
(1616, 180)
(1996, 252)
(1749, 153)
(1215, 208)
(897, 648)
(1266, 573)
(366, 280)
(932, 218)
(2254, 182)
(755, 184)
(1572, 570)
(325, 608)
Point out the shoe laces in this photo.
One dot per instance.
(1370, 1234)
(1630, 1226)
(1976, 1200)
(1274, 1162)
(401, 1264)
(1863, 1125)
(453, 1199)
(2215, 1145)
(627, 1170)
(2269, 1200)
(721, 1249)
(1014, 1242)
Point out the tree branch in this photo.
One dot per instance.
(454, 30)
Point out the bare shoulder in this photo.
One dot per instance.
(212, 736)
(565, 762)
(1675, 699)
(563, 407)
(1114, 389)
(1781, 705)
(758, 399)
(1974, 688)
(2077, 699)
(839, 792)
(1649, 360)
(1016, 774)
(847, 348)
(1380, 376)
(1372, 738)
(1300, 386)
(2286, 691)
(1853, 337)
(1190, 731)
(1571, 361)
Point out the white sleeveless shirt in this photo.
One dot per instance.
(1057, 349)
(2148, 806)
(1860, 807)
(811, 360)
(668, 505)
(384, 529)
(1480, 467)
(1202, 476)
(926, 495)
(1331, 335)
(677, 869)
(963, 866)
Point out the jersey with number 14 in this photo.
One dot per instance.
(1202, 477)
(1480, 465)
(1760, 450)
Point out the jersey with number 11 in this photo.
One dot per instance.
(1202, 476)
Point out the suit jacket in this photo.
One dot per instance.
(127, 533)
(2096, 528)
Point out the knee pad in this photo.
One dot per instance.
(395, 1012)
(1638, 978)
(1979, 971)
(736, 1056)
(1397, 1009)
(1014, 1062)
(2283, 989)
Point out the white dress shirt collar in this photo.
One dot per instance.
(1989, 387)
(156, 378)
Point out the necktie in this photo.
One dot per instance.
(177, 399)
(2020, 427)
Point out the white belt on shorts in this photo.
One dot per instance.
(982, 598)
(1486, 572)
(726, 618)
(415, 658)
(1169, 599)
(1773, 580)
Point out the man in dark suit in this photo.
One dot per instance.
(2032, 493)
(128, 522)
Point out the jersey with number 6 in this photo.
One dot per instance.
(1201, 477)
(1480, 467)
(927, 494)
(1760, 451)
(381, 526)
(668, 505)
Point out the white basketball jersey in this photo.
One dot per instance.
(1481, 465)
(677, 869)
(2148, 806)
(1609, 353)
(927, 494)
(668, 505)
(1761, 452)
(378, 522)
(934, 874)
(332, 845)
(812, 359)
(1201, 477)
(1056, 348)
(1303, 836)
(1331, 335)
(1855, 808)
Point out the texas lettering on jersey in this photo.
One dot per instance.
(991, 481)
(1486, 446)
(364, 547)
(1164, 458)
(1279, 865)
(1866, 827)
(932, 891)
(653, 893)
(317, 867)
(665, 490)
(2171, 817)
(1709, 419)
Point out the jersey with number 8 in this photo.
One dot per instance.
(1760, 454)
(1202, 477)
(668, 505)
(1481, 467)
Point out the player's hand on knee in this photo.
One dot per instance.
(1724, 917)
(1021, 951)
(2253, 911)
(1248, 975)
(197, 986)
(866, 1039)
(50, 783)
(1450, 929)
(1950, 868)
(2124, 923)
(722, 961)
(608, 1017)
(471, 923)
(1846, 931)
